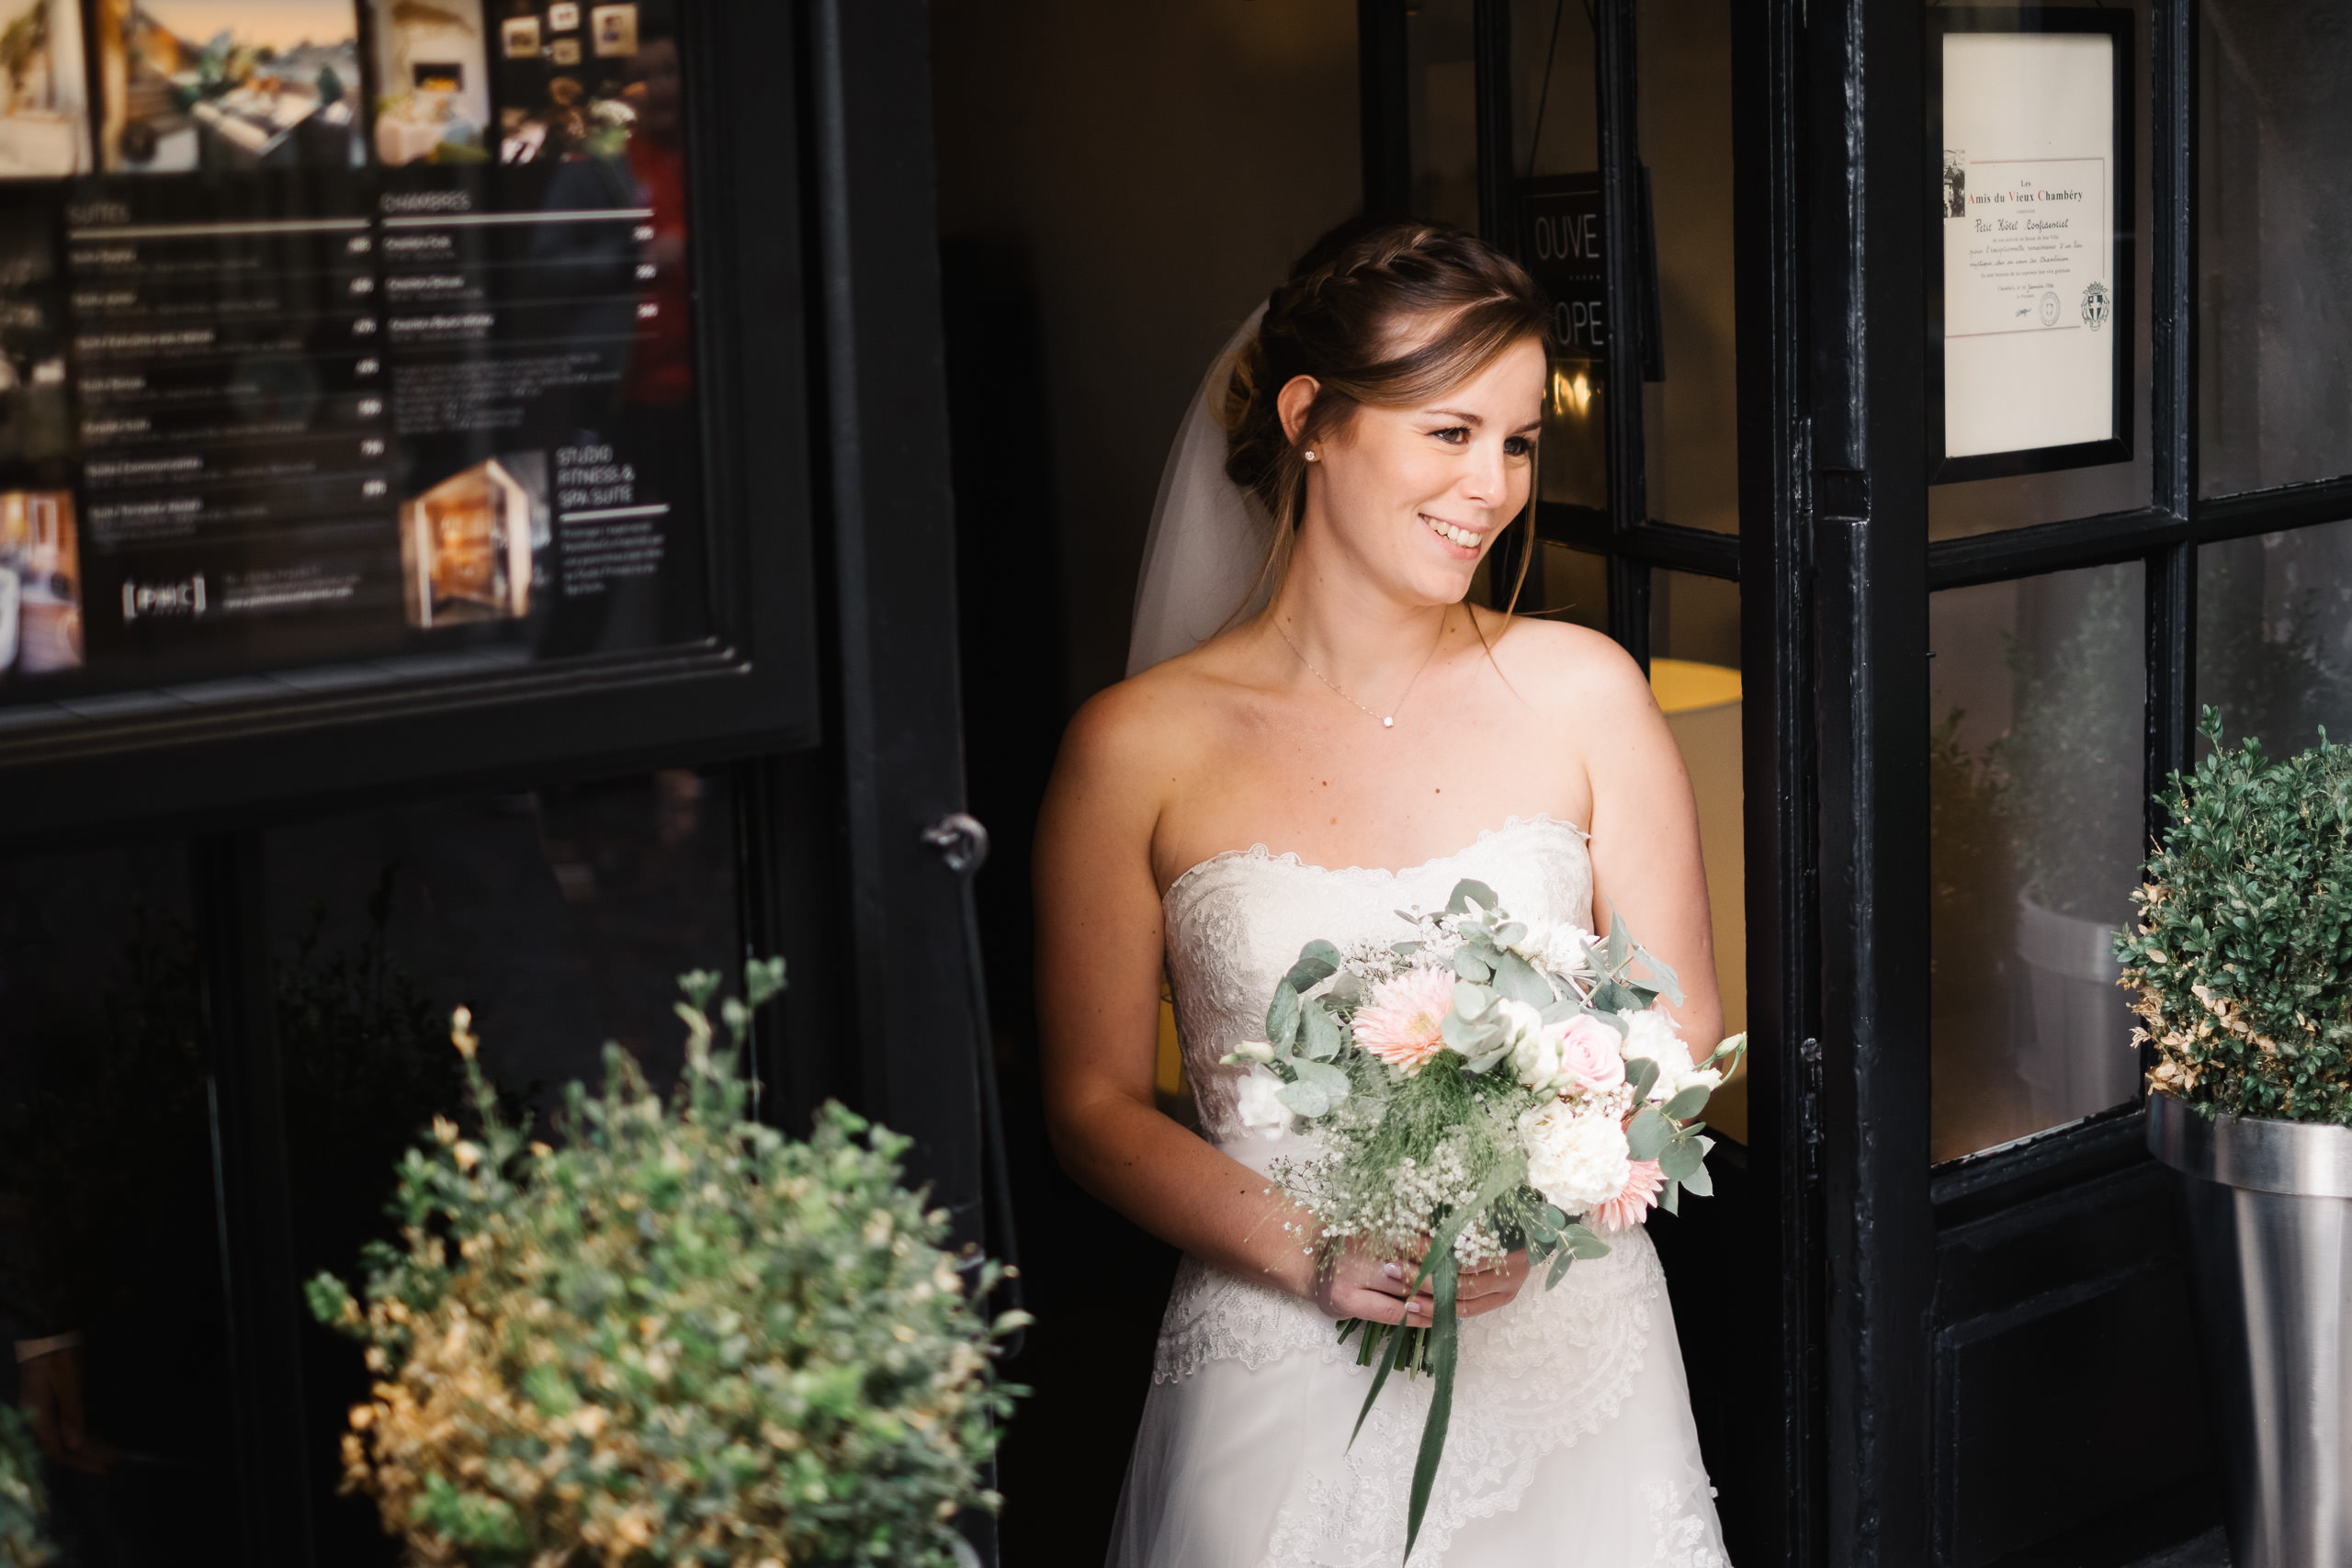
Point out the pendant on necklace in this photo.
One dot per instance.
(1388, 722)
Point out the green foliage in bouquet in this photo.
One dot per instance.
(2243, 956)
(22, 1505)
(680, 1338)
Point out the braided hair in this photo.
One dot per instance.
(1389, 312)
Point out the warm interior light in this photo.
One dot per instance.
(1571, 390)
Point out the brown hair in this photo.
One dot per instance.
(1340, 318)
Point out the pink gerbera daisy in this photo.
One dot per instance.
(1405, 1024)
(1625, 1211)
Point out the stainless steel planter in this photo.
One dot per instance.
(2269, 1209)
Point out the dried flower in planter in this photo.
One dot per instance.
(22, 1504)
(2243, 956)
(679, 1339)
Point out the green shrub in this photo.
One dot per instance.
(22, 1545)
(2243, 956)
(679, 1339)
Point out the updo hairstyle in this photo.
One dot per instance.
(1385, 312)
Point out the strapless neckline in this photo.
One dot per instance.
(1373, 872)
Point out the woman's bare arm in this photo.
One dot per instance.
(1099, 962)
(1646, 865)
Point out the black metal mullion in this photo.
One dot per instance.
(1679, 549)
(2052, 546)
(1629, 606)
(254, 1188)
(1384, 99)
(1618, 109)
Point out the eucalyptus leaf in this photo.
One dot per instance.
(1319, 1032)
(1643, 1072)
(1560, 1267)
(1470, 966)
(1679, 1158)
(1648, 1135)
(1670, 1198)
(1698, 1180)
(1317, 962)
(1510, 935)
(1485, 1060)
(1404, 949)
(1346, 991)
(1471, 1000)
(1659, 972)
(1323, 1075)
(1613, 996)
(1282, 1017)
(1467, 889)
(1517, 979)
(1620, 946)
(1470, 1036)
(1584, 1243)
(1304, 1097)
(1688, 1102)
(1562, 1011)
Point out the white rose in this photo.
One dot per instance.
(1650, 1033)
(1259, 1105)
(1575, 1161)
(1535, 1060)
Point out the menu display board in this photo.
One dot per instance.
(341, 342)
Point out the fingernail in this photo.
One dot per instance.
(1393, 1272)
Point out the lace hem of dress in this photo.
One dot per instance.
(1550, 1369)
(1684, 1529)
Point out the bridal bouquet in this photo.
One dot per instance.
(1485, 1086)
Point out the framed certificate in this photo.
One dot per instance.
(2029, 260)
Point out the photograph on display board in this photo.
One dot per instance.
(34, 398)
(518, 37)
(586, 97)
(230, 85)
(469, 544)
(44, 90)
(41, 584)
(432, 76)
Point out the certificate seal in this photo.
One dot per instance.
(2051, 307)
(2094, 304)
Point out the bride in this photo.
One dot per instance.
(1354, 456)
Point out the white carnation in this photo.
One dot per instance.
(1259, 1105)
(1576, 1161)
(1557, 949)
(1650, 1033)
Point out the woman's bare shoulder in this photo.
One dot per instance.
(1563, 668)
(1138, 738)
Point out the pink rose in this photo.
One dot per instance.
(1589, 1054)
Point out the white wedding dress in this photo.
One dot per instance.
(1571, 1445)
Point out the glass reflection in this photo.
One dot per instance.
(561, 917)
(2274, 636)
(1689, 419)
(2035, 772)
(2274, 107)
(110, 1282)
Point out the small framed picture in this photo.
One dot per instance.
(563, 17)
(614, 27)
(518, 37)
(564, 51)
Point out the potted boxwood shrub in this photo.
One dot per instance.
(2242, 962)
(676, 1336)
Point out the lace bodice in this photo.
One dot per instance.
(1235, 923)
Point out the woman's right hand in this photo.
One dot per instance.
(1372, 1289)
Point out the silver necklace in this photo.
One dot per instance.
(1387, 720)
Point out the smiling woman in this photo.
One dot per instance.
(1380, 421)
